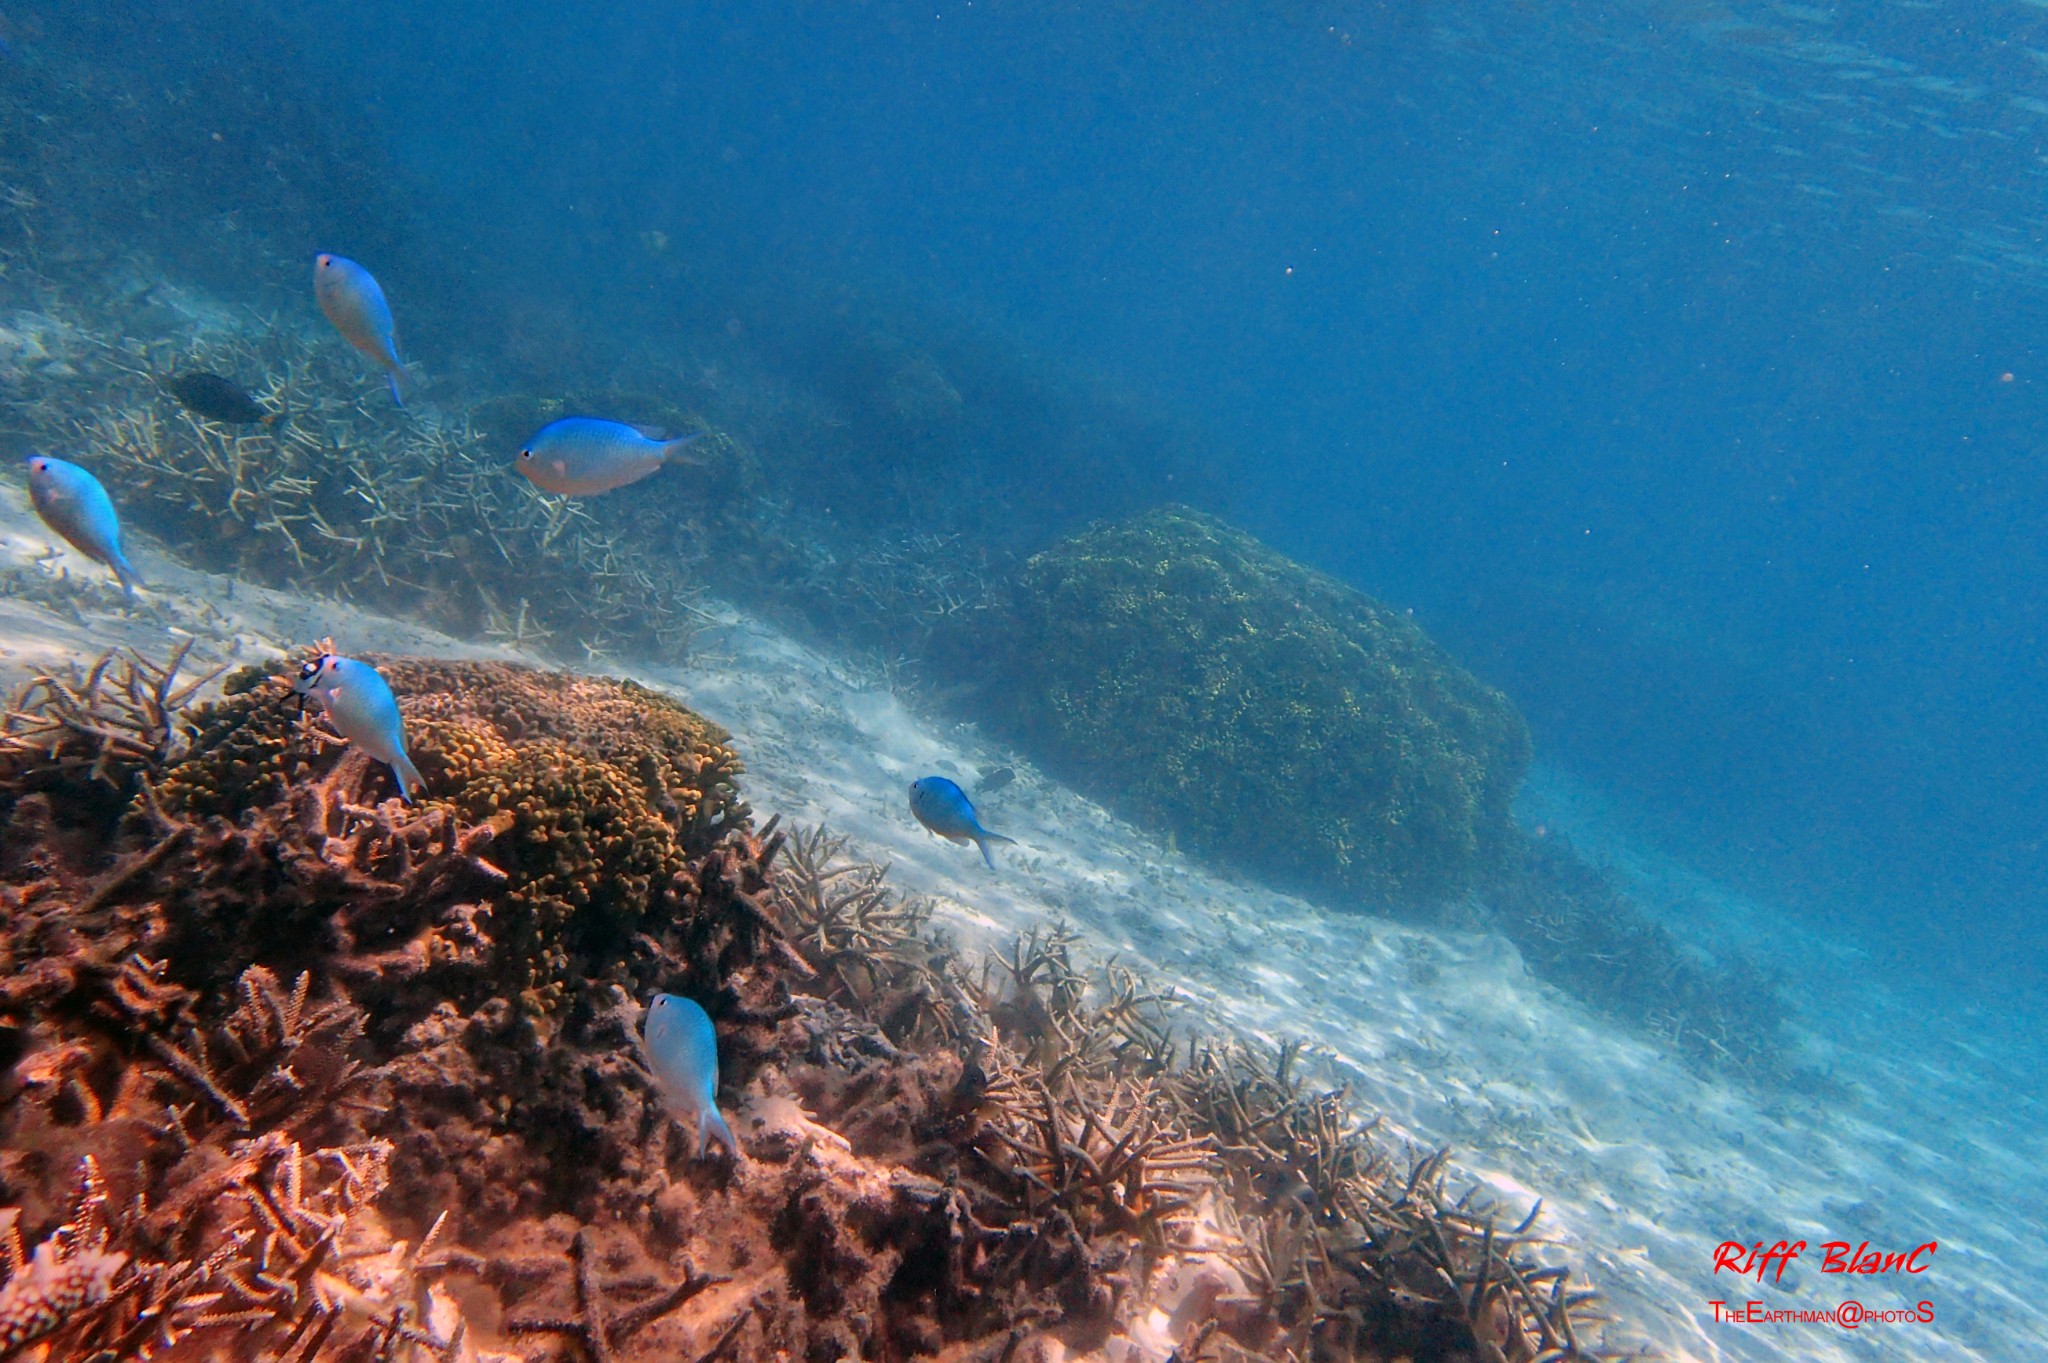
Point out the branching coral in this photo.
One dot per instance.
(1336, 1243)
(1109, 1155)
(227, 1230)
(341, 496)
(869, 944)
(1064, 1020)
(278, 1021)
(102, 724)
(1318, 1241)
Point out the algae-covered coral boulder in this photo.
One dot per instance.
(588, 799)
(1264, 714)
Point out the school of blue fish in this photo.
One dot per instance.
(572, 457)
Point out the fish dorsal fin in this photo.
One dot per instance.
(653, 432)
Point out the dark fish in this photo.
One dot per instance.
(218, 399)
(995, 781)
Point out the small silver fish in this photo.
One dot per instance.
(581, 456)
(72, 503)
(359, 704)
(354, 302)
(681, 1047)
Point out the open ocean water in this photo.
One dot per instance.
(1675, 364)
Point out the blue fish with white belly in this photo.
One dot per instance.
(941, 806)
(359, 704)
(74, 504)
(581, 456)
(681, 1047)
(355, 303)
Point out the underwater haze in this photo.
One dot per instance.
(1671, 374)
(1676, 362)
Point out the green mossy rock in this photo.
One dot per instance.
(1265, 715)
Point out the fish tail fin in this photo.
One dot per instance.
(124, 573)
(401, 383)
(984, 838)
(409, 778)
(280, 418)
(678, 451)
(711, 1128)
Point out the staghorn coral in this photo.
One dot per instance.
(869, 945)
(213, 1224)
(1268, 1221)
(102, 724)
(341, 495)
(365, 1142)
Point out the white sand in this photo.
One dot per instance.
(1935, 1134)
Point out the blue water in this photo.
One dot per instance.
(1655, 354)
(1675, 361)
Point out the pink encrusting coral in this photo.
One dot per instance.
(296, 1072)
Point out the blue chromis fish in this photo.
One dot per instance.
(944, 808)
(350, 297)
(581, 456)
(72, 503)
(360, 706)
(681, 1048)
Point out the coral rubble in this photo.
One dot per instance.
(296, 1072)
(1262, 713)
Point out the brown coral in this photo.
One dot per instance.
(583, 797)
(101, 724)
(293, 1085)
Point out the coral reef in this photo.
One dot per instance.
(335, 1126)
(1261, 713)
(577, 801)
(1576, 927)
(346, 498)
(98, 728)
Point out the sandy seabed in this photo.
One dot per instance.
(1929, 1131)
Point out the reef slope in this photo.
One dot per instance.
(296, 1071)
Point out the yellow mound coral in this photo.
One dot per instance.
(601, 791)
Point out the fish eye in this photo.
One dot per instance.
(526, 454)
